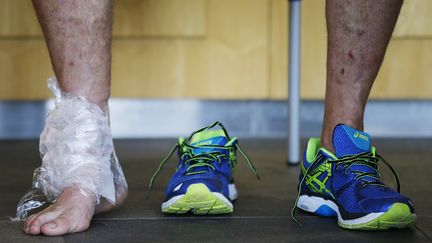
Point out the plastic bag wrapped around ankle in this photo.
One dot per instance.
(77, 151)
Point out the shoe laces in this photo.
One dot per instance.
(369, 159)
(204, 159)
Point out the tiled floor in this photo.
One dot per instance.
(262, 212)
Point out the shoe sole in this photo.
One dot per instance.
(198, 200)
(398, 216)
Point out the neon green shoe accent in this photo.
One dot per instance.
(204, 135)
(398, 216)
(311, 178)
(199, 200)
(312, 148)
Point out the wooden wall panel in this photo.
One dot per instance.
(415, 19)
(278, 85)
(407, 71)
(405, 74)
(17, 18)
(25, 67)
(230, 63)
(314, 50)
(233, 60)
(147, 69)
(160, 18)
(132, 18)
(217, 49)
(229, 60)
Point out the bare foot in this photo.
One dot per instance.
(71, 213)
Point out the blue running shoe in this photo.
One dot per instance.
(203, 182)
(347, 184)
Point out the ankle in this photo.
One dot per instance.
(328, 128)
(326, 142)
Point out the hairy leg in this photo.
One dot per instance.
(358, 34)
(78, 35)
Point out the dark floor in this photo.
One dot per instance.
(262, 212)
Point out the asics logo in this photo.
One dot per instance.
(361, 136)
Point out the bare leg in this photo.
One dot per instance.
(78, 35)
(358, 34)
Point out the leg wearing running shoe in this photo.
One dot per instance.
(78, 35)
(358, 35)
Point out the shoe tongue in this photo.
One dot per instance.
(203, 141)
(208, 138)
(349, 141)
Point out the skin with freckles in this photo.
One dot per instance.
(358, 34)
(78, 36)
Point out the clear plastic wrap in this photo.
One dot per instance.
(77, 150)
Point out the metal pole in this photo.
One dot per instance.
(294, 82)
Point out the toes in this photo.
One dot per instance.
(35, 223)
(28, 222)
(61, 226)
(71, 213)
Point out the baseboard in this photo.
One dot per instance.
(150, 118)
